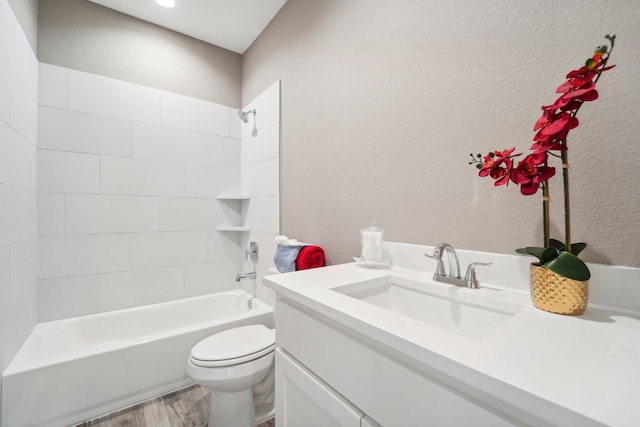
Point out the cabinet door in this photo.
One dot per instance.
(302, 399)
(368, 422)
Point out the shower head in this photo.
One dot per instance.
(244, 115)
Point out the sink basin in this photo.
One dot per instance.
(459, 310)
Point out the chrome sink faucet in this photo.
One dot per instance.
(453, 276)
(438, 253)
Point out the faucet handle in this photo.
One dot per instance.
(470, 277)
(252, 253)
(438, 257)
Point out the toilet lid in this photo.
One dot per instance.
(234, 346)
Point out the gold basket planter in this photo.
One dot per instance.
(557, 294)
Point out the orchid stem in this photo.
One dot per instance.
(567, 204)
(545, 214)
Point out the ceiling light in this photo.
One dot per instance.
(166, 3)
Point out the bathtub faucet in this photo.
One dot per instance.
(245, 276)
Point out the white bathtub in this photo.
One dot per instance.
(74, 369)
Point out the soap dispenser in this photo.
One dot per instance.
(371, 240)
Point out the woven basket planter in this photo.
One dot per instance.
(557, 294)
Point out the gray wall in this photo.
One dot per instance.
(84, 36)
(382, 102)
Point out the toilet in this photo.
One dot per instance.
(237, 365)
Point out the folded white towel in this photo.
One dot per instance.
(285, 241)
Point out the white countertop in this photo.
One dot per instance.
(578, 370)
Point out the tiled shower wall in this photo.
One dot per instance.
(260, 164)
(18, 182)
(127, 208)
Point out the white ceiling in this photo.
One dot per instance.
(231, 24)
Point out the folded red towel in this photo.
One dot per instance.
(310, 257)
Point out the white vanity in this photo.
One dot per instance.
(389, 346)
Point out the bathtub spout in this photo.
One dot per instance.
(245, 276)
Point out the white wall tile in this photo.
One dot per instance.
(66, 130)
(182, 214)
(30, 73)
(60, 256)
(53, 86)
(206, 181)
(182, 112)
(121, 158)
(263, 147)
(206, 278)
(10, 30)
(225, 246)
(168, 248)
(142, 177)
(18, 140)
(24, 266)
(267, 247)
(24, 112)
(88, 214)
(5, 276)
(16, 323)
(14, 158)
(28, 214)
(32, 154)
(51, 213)
(5, 91)
(264, 293)
(224, 152)
(234, 124)
(263, 215)
(273, 177)
(101, 95)
(65, 172)
(151, 141)
(10, 215)
(140, 287)
(255, 180)
(68, 297)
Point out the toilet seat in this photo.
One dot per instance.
(233, 346)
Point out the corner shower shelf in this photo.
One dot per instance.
(233, 197)
(233, 228)
(241, 198)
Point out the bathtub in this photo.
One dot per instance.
(75, 369)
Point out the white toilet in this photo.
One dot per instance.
(237, 365)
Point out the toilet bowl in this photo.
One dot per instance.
(237, 365)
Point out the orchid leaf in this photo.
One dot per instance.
(576, 248)
(535, 251)
(543, 254)
(568, 265)
(556, 244)
(548, 255)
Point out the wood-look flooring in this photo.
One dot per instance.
(187, 407)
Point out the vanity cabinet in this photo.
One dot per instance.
(326, 372)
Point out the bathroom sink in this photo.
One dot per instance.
(466, 312)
